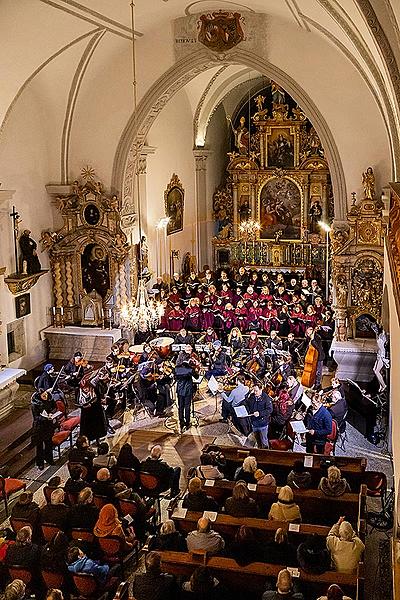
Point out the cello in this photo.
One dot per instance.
(310, 365)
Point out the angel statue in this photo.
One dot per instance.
(368, 181)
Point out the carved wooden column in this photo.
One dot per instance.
(201, 157)
(235, 195)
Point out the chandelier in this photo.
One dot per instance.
(144, 313)
(249, 229)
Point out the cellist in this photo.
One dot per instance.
(316, 342)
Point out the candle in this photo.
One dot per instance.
(62, 311)
(54, 310)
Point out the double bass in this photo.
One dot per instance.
(310, 366)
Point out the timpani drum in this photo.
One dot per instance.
(136, 352)
(163, 346)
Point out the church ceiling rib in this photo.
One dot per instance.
(39, 69)
(91, 16)
(72, 99)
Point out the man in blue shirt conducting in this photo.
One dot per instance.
(259, 407)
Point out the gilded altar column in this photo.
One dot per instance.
(57, 284)
(235, 195)
(253, 203)
(200, 157)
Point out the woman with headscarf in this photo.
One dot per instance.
(108, 524)
(345, 547)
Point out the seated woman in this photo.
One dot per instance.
(299, 477)
(169, 538)
(196, 498)
(84, 514)
(285, 509)
(345, 547)
(207, 468)
(109, 524)
(240, 504)
(313, 556)
(126, 458)
(122, 492)
(247, 470)
(75, 483)
(334, 484)
(264, 478)
(104, 457)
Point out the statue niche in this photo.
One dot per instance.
(88, 254)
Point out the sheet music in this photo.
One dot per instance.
(241, 411)
(306, 400)
(213, 384)
(209, 514)
(298, 426)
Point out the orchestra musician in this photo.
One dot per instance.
(184, 337)
(94, 422)
(113, 356)
(48, 382)
(42, 405)
(290, 345)
(74, 370)
(283, 407)
(218, 361)
(235, 398)
(187, 366)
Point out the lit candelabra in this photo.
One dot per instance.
(249, 229)
(142, 311)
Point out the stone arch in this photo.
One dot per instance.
(134, 135)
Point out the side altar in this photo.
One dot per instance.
(276, 191)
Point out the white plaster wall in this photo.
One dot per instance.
(172, 136)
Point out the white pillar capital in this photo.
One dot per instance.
(200, 157)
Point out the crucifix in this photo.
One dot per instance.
(16, 221)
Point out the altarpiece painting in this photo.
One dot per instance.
(280, 209)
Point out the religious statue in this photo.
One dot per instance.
(260, 102)
(29, 262)
(342, 290)
(95, 270)
(381, 356)
(241, 136)
(144, 252)
(315, 213)
(278, 93)
(368, 181)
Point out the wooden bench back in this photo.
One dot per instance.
(250, 579)
(315, 507)
(280, 463)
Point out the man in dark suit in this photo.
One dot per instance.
(168, 476)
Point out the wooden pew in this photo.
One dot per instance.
(315, 507)
(251, 578)
(280, 463)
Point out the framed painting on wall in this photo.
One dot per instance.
(282, 147)
(22, 305)
(280, 208)
(174, 198)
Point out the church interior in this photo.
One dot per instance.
(199, 299)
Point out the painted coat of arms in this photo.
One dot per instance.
(221, 30)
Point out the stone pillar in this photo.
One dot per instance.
(6, 263)
(200, 157)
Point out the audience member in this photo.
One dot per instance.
(27, 555)
(126, 458)
(196, 498)
(280, 551)
(103, 485)
(245, 549)
(74, 483)
(54, 594)
(168, 477)
(153, 584)
(122, 492)
(299, 477)
(169, 538)
(205, 538)
(240, 504)
(313, 556)
(109, 524)
(334, 593)
(82, 453)
(247, 470)
(345, 546)
(14, 590)
(78, 562)
(207, 468)
(285, 509)
(84, 514)
(56, 512)
(104, 457)
(334, 484)
(53, 555)
(201, 586)
(264, 478)
(284, 588)
(26, 508)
